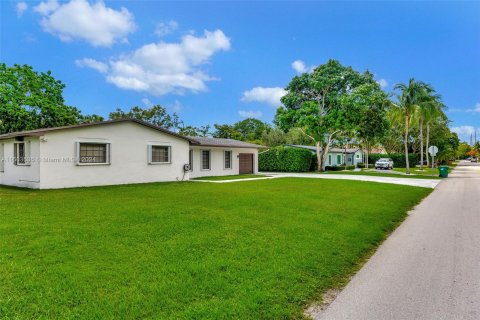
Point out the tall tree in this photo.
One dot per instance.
(226, 131)
(273, 137)
(202, 131)
(426, 111)
(408, 101)
(251, 129)
(370, 104)
(434, 114)
(32, 100)
(313, 103)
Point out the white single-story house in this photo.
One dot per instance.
(337, 156)
(116, 152)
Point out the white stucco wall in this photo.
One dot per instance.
(25, 176)
(217, 161)
(128, 156)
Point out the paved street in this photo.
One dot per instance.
(429, 268)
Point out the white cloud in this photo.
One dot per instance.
(92, 63)
(269, 96)
(78, 19)
(165, 28)
(300, 67)
(21, 7)
(162, 68)
(45, 8)
(383, 83)
(475, 109)
(465, 132)
(147, 102)
(250, 114)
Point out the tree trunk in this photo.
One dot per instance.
(365, 154)
(421, 143)
(426, 144)
(325, 150)
(405, 142)
(319, 156)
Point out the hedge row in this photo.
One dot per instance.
(398, 159)
(285, 159)
(339, 168)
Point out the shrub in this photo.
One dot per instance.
(339, 168)
(361, 165)
(398, 159)
(285, 159)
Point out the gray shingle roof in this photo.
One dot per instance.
(40, 132)
(333, 150)
(228, 143)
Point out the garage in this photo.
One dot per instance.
(246, 163)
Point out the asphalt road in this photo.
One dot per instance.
(429, 268)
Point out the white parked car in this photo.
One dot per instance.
(384, 163)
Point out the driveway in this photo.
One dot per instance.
(429, 268)
(426, 183)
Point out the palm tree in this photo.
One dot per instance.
(426, 112)
(408, 101)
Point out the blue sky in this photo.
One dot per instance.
(218, 62)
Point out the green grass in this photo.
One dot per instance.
(233, 177)
(257, 250)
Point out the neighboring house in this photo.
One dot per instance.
(337, 156)
(116, 152)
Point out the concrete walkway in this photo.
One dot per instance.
(426, 183)
(429, 268)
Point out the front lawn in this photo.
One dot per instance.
(255, 250)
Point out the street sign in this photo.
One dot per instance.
(433, 150)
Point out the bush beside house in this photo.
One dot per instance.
(285, 159)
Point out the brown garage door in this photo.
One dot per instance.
(246, 163)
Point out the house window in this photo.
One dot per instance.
(159, 154)
(227, 159)
(94, 153)
(20, 154)
(205, 159)
(358, 156)
(2, 157)
(339, 159)
(329, 159)
(190, 159)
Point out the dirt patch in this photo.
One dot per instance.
(316, 309)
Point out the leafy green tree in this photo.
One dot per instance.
(273, 137)
(226, 131)
(246, 130)
(313, 104)
(156, 115)
(296, 136)
(202, 131)
(251, 129)
(370, 104)
(462, 150)
(91, 118)
(32, 100)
